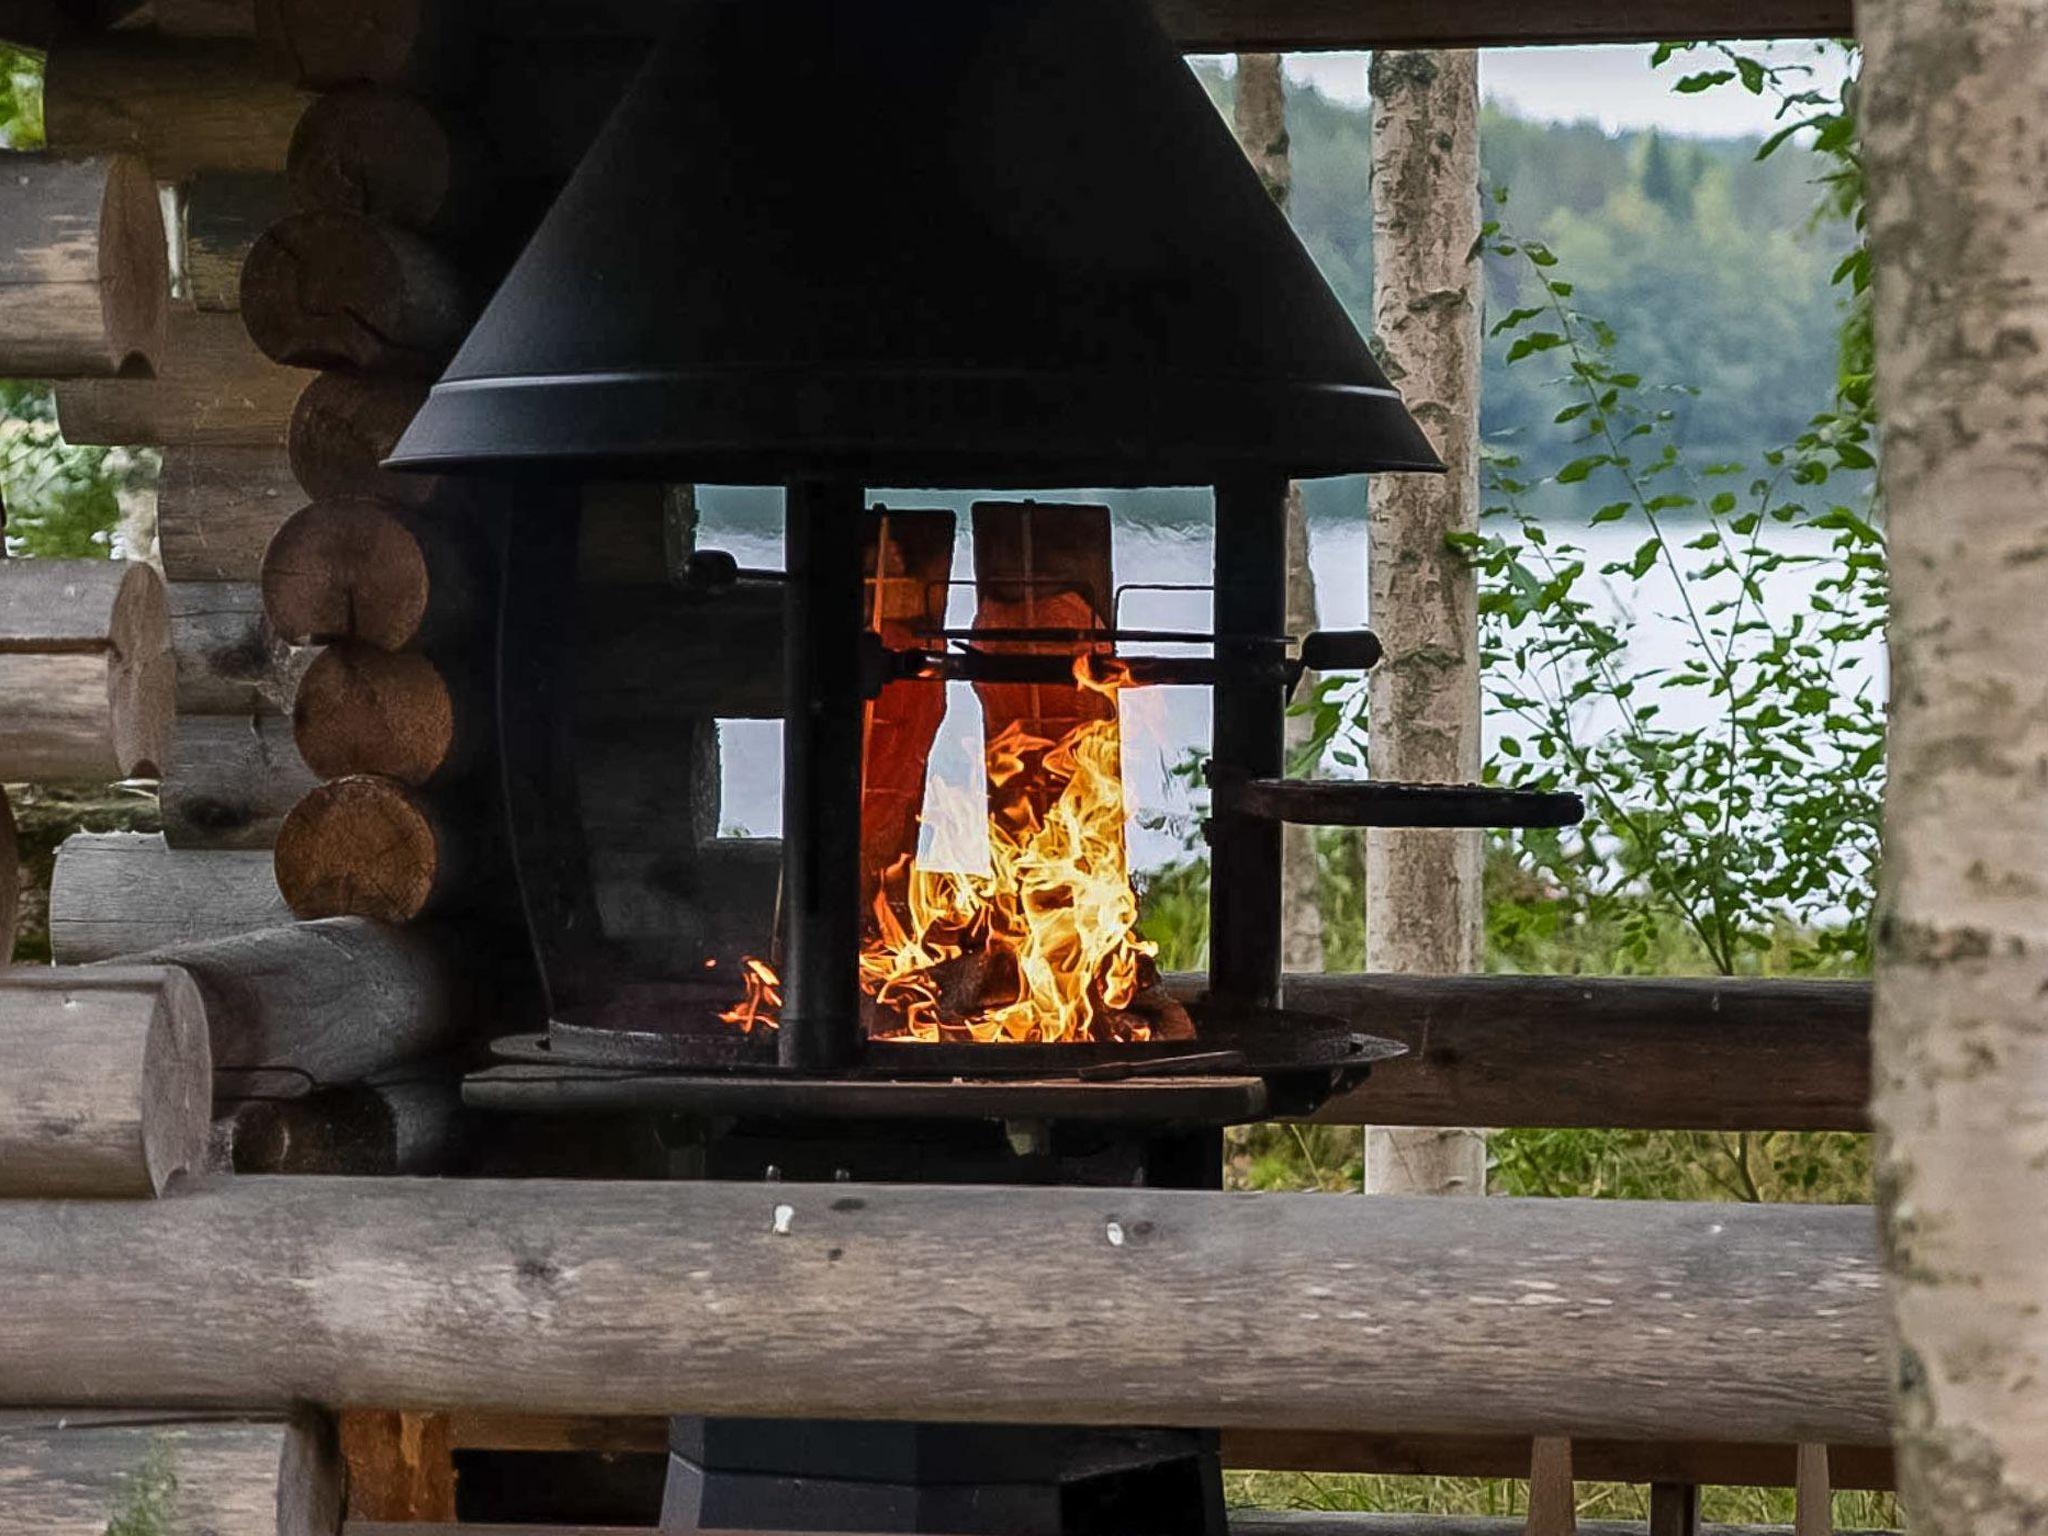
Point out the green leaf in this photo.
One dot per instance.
(1705, 80)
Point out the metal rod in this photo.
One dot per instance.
(821, 764)
(1249, 739)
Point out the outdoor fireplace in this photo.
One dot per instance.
(1001, 248)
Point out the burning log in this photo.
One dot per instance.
(230, 659)
(216, 509)
(105, 1082)
(335, 290)
(211, 387)
(365, 846)
(388, 156)
(84, 282)
(343, 428)
(79, 1472)
(225, 212)
(365, 710)
(120, 893)
(233, 780)
(183, 105)
(364, 570)
(85, 667)
(563, 1297)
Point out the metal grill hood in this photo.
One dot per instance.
(916, 242)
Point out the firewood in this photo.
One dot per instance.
(908, 559)
(234, 779)
(84, 282)
(365, 710)
(385, 155)
(120, 893)
(10, 878)
(79, 1472)
(184, 105)
(216, 509)
(404, 1129)
(211, 387)
(1096, 1306)
(85, 668)
(345, 426)
(336, 290)
(423, 44)
(225, 212)
(357, 569)
(364, 847)
(328, 1004)
(106, 1086)
(231, 660)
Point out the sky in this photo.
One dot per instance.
(1613, 86)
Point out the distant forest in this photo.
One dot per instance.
(1703, 258)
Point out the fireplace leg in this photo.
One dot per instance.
(1249, 739)
(821, 757)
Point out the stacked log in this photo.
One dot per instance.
(84, 281)
(86, 670)
(106, 1081)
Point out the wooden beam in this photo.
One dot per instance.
(105, 1083)
(1030, 1306)
(1303, 26)
(1641, 1053)
(84, 279)
(120, 893)
(86, 1472)
(212, 387)
(216, 509)
(231, 661)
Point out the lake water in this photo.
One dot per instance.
(1161, 724)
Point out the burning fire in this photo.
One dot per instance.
(764, 997)
(1041, 945)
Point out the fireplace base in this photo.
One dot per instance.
(956, 1479)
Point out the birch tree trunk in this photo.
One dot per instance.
(1261, 123)
(1953, 101)
(1422, 904)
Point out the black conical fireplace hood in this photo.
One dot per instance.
(916, 242)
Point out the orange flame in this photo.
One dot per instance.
(763, 999)
(1043, 945)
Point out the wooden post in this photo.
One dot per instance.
(1674, 1509)
(1096, 1306)
(106, 1083)
(84, 280)
(1813, 1500)
(1553, 1503)
(85, 1472)
(1260, 119)
(1951, 108)
(1422, 903)
(85, 670)
(401, 1466)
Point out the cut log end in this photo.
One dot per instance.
(387, 155)
(335, 290)
(344, 426)
(360, 847)
(86, 668)
(352, 569)
(365, 710)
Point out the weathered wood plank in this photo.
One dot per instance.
(78, 1473)
(105, 1085)
(120, 893)
(1015, 1305)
